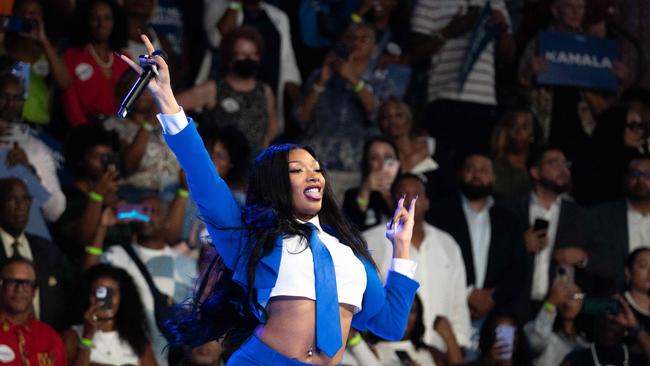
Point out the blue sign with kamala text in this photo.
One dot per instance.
(577, 60)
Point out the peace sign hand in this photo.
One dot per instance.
(400, 229)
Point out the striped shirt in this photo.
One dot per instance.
(430, 16)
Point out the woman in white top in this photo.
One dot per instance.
(554, 333)
(113, 332)
(286, 276)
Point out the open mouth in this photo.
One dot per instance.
(313, 193)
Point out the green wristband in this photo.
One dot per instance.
(354, 341)
(96, 196)
(356, 18)
(233, 5)
(94, 251)
(183, 193)
(549, 307)
(86, 343)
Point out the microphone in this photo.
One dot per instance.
(149, 70)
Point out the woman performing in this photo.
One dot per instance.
(305, 271)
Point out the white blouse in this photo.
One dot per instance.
(109, 349)
(296, 272)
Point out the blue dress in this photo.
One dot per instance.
(385, 308)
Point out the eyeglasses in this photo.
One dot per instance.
(634, 126)
(14, 283)
(639, 174)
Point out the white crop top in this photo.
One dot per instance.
(296, 272)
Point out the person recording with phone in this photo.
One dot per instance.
(28, 46)
(502, 343)
(558, 328)
(554, 236)
(370, 204)
(110, 324)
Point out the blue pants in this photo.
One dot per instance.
(255, 352)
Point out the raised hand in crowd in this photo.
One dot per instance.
(96, 247)
(442, 326)
(536, 240)
(17, 156)
(108, 184)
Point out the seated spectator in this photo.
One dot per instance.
(48, 295)
(548, 203)
(95, 69)
(339, 101)
(489, 237)
(148, 166)
(512, 141)
(90, 152)
(25, 340)
(35, 50)
(617, 228)
(637, 293)
(240, 98)
(113, 333)
(278, 68)
(371, 203)
(441, 272)
(555, 332)
(230, 154)
(608, 347)
(25, 148)
(496, 351)
(619, 136)
(172, 273)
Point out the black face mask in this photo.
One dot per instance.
(246, 68)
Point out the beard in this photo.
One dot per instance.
(638, 194)
(555, 187)
(475, 192)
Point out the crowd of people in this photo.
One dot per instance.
(531, 231)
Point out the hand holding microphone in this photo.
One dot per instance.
(159, 84)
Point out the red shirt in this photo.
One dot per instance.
(91, 93)
(34, 343)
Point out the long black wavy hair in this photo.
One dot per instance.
(130, 320)
(220, 309)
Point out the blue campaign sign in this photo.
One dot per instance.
(577, 60)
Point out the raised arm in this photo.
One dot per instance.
(211, 193)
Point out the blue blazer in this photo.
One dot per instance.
(385, 309)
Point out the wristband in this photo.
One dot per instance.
(362, 202)
(96, 196)
(354, 341)
(86, 343)
(233, 5)
(94, 251)
(549, 307)
(183, 193)
(358, 88)
(356, 18)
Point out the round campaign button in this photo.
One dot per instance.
(6, 354)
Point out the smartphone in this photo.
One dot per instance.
(404, 357)
(540, 224)
(565, 273)
(105, 295)
(130, 212)
(505, 334)
(109, 160)
(17, 24)
(600, 306)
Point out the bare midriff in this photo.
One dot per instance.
(291, 329)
